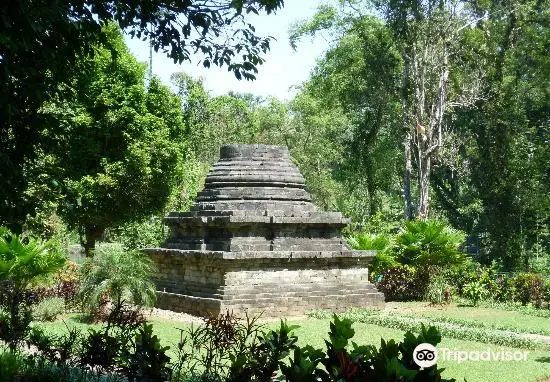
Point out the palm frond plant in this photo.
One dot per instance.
(23, 261)
(430, 243)
(118, 276)
(382, 244)
(26, 260)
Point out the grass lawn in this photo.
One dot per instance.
(513, 320)
(314, 331)
(537, 365)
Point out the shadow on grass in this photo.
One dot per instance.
(543, 359)
(81, 318)
(464, 305)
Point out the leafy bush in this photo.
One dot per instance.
(232, 350)
(366, 241)
(458, 276)
(430, 242)
(48, 309)
(11, 365)
(529, 288)
(382, 244)
(404, 283)
(116, 275)
(123, 347)
(475, 292)
(546, 293)
(438, 290)
(63, 284)
(136, 235)
(342, 361)
(23, 261)
(146, 359)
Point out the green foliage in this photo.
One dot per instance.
(134, 235)
(116, 275)
(41, 45)
(365, 241)
(430, 242)
(508, 288)
(48, 309)
(147, 360)
(438, 290)
(11, 364)
(405, 283)
(349, 107)
(475, 292)
(24, 260)
(342, 362)
(447, 328)
(382, 244)
(529, 287)
(123, 347)
(262, 360)
(227, 349)
(124, 168)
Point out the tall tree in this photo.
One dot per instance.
(40, 42)
(112, 145)
(510, 129)
(360, 74)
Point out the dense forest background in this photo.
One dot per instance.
(417, 110)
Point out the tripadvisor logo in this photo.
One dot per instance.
(426, 355)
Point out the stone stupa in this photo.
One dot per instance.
(254, 242)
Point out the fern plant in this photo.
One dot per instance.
(116, 275)
(26, 260)
(430, 242)
(382, 244)
(23, 261)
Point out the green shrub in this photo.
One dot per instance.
(366, 241)
(458, 276)
(23, 261)
(404, 283)
(475, 292)
(136, 235)
(226, 349)
(63, 283)
(382, 244)
(343, 360)
(438, 290)
(546, 293)
(116, 275)
(429, 243)
(11, 365)
(529, 288)
(124, 348)
(49, 309)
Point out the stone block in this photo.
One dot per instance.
(254, 242)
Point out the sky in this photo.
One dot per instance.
(283, 68)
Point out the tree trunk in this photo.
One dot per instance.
(424, 180)
(92, 234)
(407, 178)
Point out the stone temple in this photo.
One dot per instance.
(254, 242)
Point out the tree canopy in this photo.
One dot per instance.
(449, 97)
(41, 41)
(113, 144)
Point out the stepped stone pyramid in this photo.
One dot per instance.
(254, 242)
